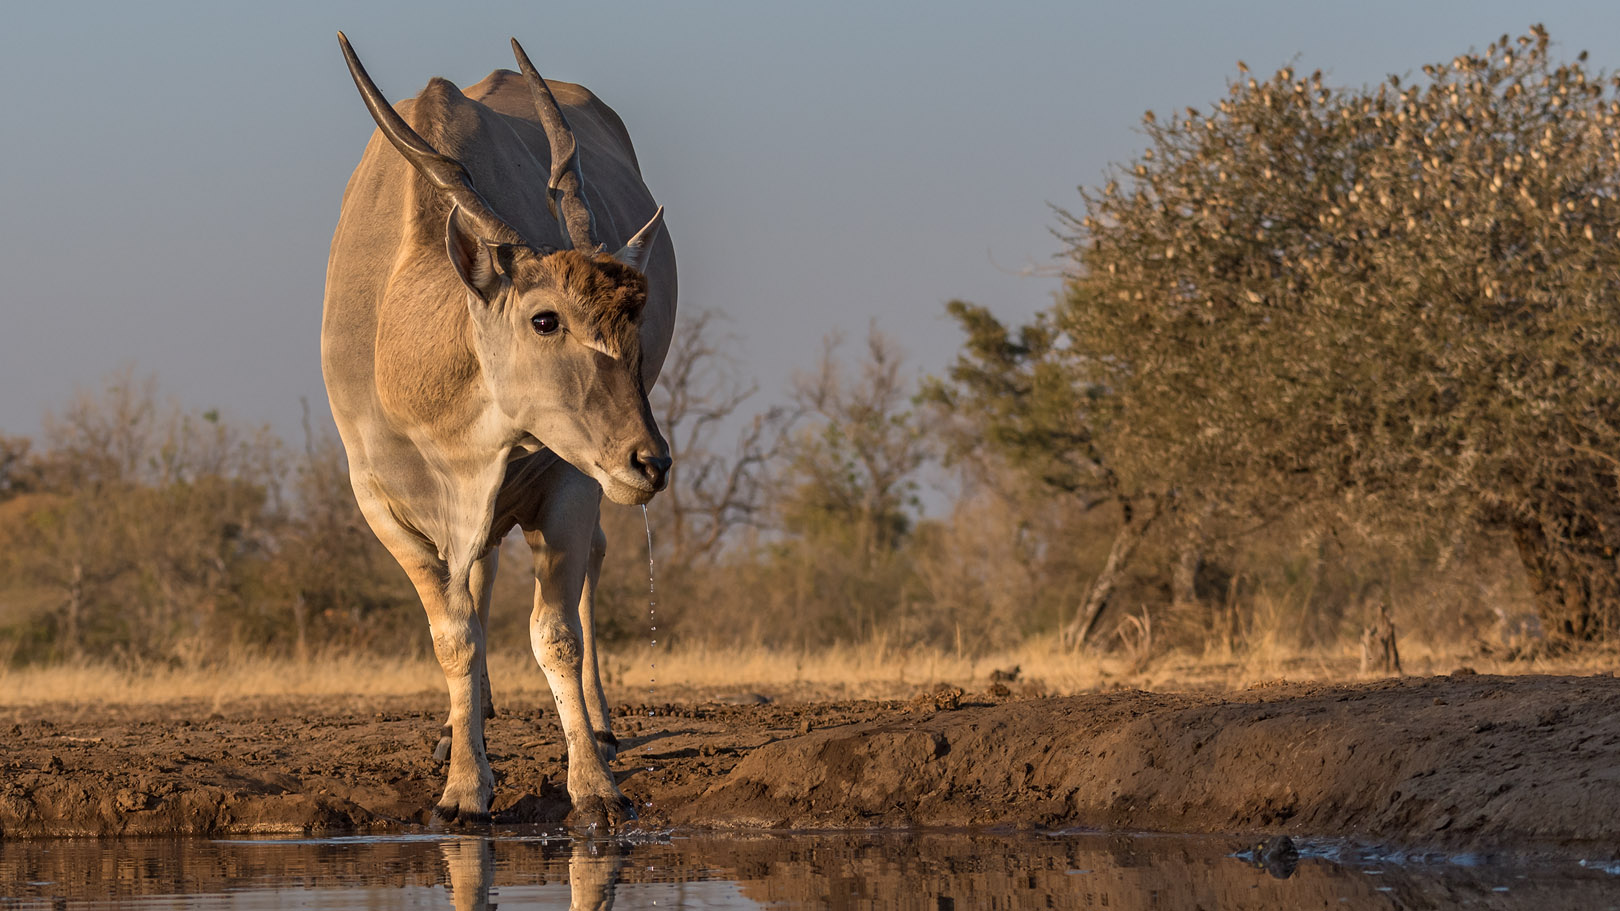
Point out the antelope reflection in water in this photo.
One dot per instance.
(593, 872)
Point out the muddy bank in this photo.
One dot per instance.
(1460, 762)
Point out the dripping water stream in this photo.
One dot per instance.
(652, 622)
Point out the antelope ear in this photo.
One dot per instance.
(474, 259)
(636, 250)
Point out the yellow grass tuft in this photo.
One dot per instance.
(873, 670)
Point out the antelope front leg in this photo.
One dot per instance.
(482, 585)
(561, 539)
(458, 642)
(591, 674)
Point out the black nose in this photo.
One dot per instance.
(653, 467)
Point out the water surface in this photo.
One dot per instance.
(923, 870)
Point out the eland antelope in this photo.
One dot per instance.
(488, 361)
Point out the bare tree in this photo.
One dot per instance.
(713, 491)
(855, 464)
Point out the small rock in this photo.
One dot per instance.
(804, 726)
(943, 698)
(1000, 690)
(1279, 855)
(1465, 671)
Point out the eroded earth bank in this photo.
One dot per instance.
(1463, 762)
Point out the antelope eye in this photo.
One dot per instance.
(545, 323)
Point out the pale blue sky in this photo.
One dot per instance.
(172, 170)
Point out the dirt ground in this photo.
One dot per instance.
(1458, 762)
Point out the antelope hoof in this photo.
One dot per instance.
(601, 814)
(471, 810)
(466, 802)
(452, 815)
(607, 745)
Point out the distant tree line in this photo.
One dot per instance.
(143, 532)
(1320, 353)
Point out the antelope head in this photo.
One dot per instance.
(556, 331)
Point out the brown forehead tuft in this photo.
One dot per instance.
(610, 294)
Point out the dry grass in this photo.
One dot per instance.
(871, 671)
(97, 682)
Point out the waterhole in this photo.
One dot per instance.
(915, 869)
